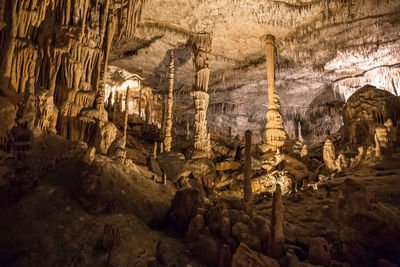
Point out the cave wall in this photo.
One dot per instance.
(53, 62)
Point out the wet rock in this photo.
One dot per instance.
(245, 257)
(207, 250)
(369, 229)
(153, 165)
(195, 227)
(227, 165)
(319, 251)
(184, 208)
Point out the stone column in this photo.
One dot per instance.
(277, 239)
(248, 196)
(116, 104)
(201, 50)
(275, 132)
(168, 121)
(126, 111)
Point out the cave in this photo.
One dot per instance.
(219, 133)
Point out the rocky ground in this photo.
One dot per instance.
(49, 226)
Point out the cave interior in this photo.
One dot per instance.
(260, 133)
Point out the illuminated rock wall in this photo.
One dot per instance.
(62, 46)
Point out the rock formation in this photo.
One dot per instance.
(276, 243)
(275, 133)
(61, 48)
(127, 99)
(365, 110)
(201, 50)
(168, 122)
(248, 197)
(329, 155)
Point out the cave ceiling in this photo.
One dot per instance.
(323, 47)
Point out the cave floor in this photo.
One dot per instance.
(47, 226)
(313, 213)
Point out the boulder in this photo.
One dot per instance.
(184, 208)
(173, 165)
(195, 227)
(153, 165)
(207, 250)
(319, 252)
(369, 229)
(227, 165)
(245, 257)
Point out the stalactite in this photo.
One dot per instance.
(9, 46)
(168, 123)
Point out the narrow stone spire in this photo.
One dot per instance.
(277, 240)
(275, 133)
(126, 111)
(168, 122)
(248, 197)
(201, 50)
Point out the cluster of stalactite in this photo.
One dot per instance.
(62, 47)
(201, 50)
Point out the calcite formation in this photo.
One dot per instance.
(275, 133)
(127, 99)
(248, 197)
(168, 122)
(201, 50)
(58, 51)
(329, 156)
(276, 243)
(367, 109)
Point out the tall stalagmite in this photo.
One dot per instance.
(275, 133)
(277, 240)
(201, 50)
(126, 111)
(168, 122)
(248, 197)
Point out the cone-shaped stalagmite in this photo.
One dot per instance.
(116, 102)
(168, 122)
(248, 197)
(201, 50)
(126, 111)
(276, 242)
(275, 133)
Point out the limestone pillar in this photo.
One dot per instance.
(201, 50)
(277, 240)
(248, 197)
(116, 103)
(275, 133)
(126, 111)
(168, 121)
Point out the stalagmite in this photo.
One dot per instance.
(329, 155)
(116, 102)
(154, 151)
(126, 111)
(201, 50)
(168, 122)
(275, 133)
(248, 197)
(381, 141)
(276, 243)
